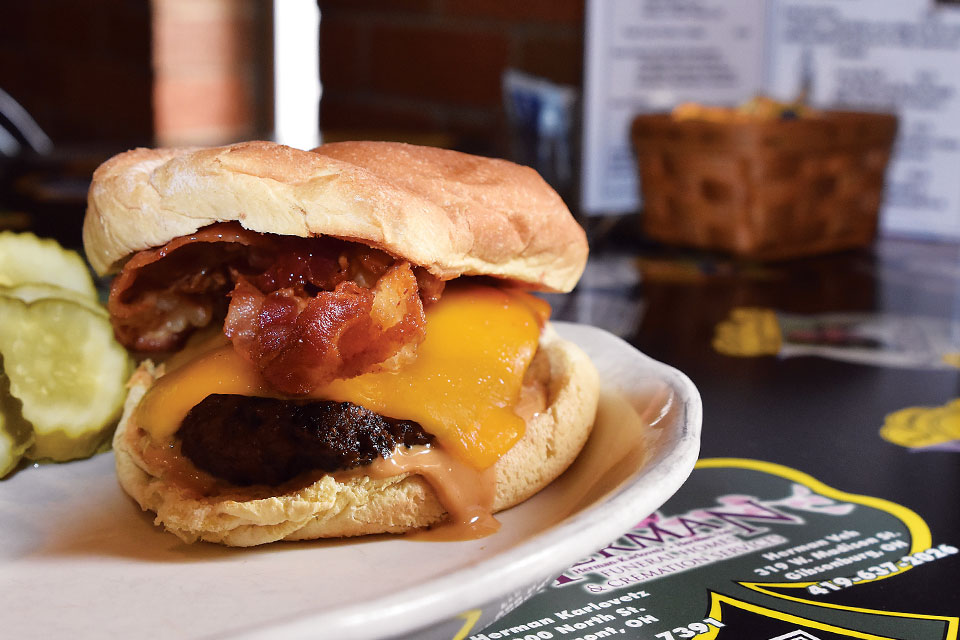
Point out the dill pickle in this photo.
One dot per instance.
(68, 371)
(26, 258)
(16, 435)
(31, 291)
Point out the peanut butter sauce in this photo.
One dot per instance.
(466, 494)
(532, 401)
(166, 461)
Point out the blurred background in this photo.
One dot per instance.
(97, 78)
(745, 158)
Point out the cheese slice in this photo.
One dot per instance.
(462, 386)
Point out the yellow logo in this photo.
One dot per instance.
(748, 332)
(923, 426)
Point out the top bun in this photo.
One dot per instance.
(452, 213)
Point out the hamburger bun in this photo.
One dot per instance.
(454, 214)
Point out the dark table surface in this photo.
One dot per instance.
(819, 415)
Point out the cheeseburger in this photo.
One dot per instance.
(337, 342)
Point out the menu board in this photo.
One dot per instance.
(648, 55)
(888, 56)
(872, 55)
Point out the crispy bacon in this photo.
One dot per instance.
(161, 295)
(299, 344)
(304, 311)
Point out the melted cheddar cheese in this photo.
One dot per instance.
(462, 387)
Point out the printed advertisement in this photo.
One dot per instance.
(746, 549)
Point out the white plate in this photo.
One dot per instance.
(79, 560)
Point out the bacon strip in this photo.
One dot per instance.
(300, 344)
(304, 311)
(154, 307)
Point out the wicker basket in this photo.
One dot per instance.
(767, 189)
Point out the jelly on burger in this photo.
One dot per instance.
(337, 342)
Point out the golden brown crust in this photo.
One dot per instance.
(362, 505)
(453, 213)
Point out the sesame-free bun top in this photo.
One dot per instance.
(453, 213)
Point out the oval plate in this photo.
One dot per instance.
(78, 558)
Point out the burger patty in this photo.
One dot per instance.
(248, 440)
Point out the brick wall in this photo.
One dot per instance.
(398, 68)
(210, 84)
(171, 71)
(140, 72)
(80, 67)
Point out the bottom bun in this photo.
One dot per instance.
(361, 505)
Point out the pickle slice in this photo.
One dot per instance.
(31, 291)
(16, 435)
(26, 258)
(69, 372)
